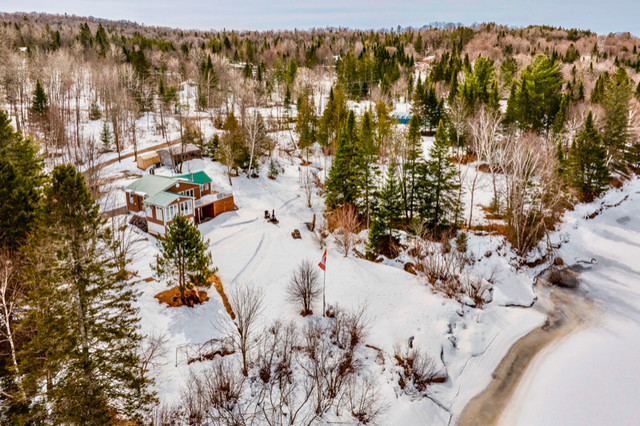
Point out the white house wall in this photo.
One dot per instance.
(155, 228)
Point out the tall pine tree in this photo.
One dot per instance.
(82, 360)
(616, 130)
(439, 184)
(412, 161)
(587, 162)
(389, 213)
(184, 258)
(40, 101)
(341, 186)
(366, 156)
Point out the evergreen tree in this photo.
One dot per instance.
(101, 39)
(616, 103)
(510, 115)
(105, 136)
(341, 185)
(382, 125)
(411, 165)
(231, 145)
(94, 111)
(84, 351)
(366, 157)
(587, 162)
(287, 99)
(40, 101)
(183, 259)
(333, 117)
(453, 90)
(439, 184)
(306, 122)
(597, 93)
(538, 99)
(561, 116)
(389, 214)
(21, 175)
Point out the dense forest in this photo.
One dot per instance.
(549, 116)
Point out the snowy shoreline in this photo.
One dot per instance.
(591, 375)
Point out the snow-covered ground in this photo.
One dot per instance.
(467, 343)
(592, 377)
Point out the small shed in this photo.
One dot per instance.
(148, 159)
(179, 154)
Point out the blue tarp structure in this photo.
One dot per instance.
(402, 117)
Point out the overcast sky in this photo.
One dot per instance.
(602, 16)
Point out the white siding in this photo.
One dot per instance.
(154, 228)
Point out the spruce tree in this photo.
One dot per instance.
(333, 116)
(411, 164)
(616, 129)
(389, 214)
(587, 162)
(341, 185)
(366, 157)
(84, 353)
(306, 121)
(21, 174)
(40, 101)
(439, 184)
(105, 136)
(183, 259)
(511, 114)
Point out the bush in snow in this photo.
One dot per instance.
(417, 370)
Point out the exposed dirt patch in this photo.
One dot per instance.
(225, 300)
(172, 297)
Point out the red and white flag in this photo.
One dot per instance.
(323, 262)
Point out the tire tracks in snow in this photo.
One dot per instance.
(258, 257)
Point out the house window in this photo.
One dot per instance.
(131, 198)
(171, 212)
(186, 208)
(206, 186)
(188, 192)
(147, 210)
(159, 213)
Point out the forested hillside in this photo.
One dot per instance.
(407, 145)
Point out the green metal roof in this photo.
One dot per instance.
(197, 177)
(150, 184)
(162, 199)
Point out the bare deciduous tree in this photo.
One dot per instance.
(532, 189)
(214, 397)
(364, 400)
(304, 285)
(121, 244)
(308, 180)
(347, 222)
(247, 303)
(152, 350)
(485, 134)
(10, 293)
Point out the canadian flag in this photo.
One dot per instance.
(323, 262)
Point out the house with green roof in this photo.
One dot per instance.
(159, 199)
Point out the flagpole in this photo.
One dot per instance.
(323, 265)
(324, 288)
